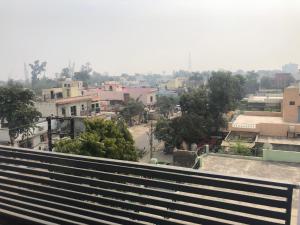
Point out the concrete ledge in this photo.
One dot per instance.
(281, 156)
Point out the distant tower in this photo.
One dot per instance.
(190, 62)
(26, 74)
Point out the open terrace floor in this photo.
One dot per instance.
(247, 167)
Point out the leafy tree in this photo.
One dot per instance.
(102, 138)
(251, 83)
(37, 68)
(44, 83)
(202, 110)
(98, 78)
(65, 72)
(84, 74)
(241, 149)
(17, 110)
(224, 91)
(166, 104)
(132, 108)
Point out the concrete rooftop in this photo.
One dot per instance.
(248, 119)
(239, 166)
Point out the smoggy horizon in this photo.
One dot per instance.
(144, 36)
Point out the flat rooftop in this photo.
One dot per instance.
(278, 140)
(248, 119)
(239, 166)
(267, 99)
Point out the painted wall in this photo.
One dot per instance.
(46, 108)
(281, 156)
(290, 112)
(67, 107)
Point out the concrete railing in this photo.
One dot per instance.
(244, 125)
(281, 156)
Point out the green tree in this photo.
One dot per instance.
(44, 83)
(102, 138)
(84, 74)
(166, 104)
(132, 109)
(251, 83)
(36, 69)
(65, 72)
(202, 110)
(17, 110)
(224, 91)
(240, 148)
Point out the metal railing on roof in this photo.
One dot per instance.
(50, 188)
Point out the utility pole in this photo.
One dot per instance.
(49, 133)
(151, 140)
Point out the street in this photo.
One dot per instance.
(140, 134)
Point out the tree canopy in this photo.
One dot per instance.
(203, 110)
(102, 138)
(17, 110)
(132, 108)
(36, 69)
(166, 104)
(84, 74)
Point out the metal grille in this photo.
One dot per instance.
(50, 188)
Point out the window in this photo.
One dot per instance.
(73, 110)
(97, 105)
(151, 98)
(292, 102)
(93, 107)
(65, 85)
(82, 107)
(63, 111)
(68, 93)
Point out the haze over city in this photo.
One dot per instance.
(141, 36)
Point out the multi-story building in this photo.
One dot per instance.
(76, 106)
(36, 139)
(144, 94)
(278, 128)
(69, 88)
(176, 83)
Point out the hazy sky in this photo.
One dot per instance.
(148, 35)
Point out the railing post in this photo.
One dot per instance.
(289, 205)
(298, 211)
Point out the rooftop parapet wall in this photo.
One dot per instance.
(263, 113)
(281, 156)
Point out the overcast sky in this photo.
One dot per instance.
(144, 36)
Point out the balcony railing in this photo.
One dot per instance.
(44, 188)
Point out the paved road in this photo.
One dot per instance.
(140, 135)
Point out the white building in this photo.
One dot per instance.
(37, 139)
(290, 68)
